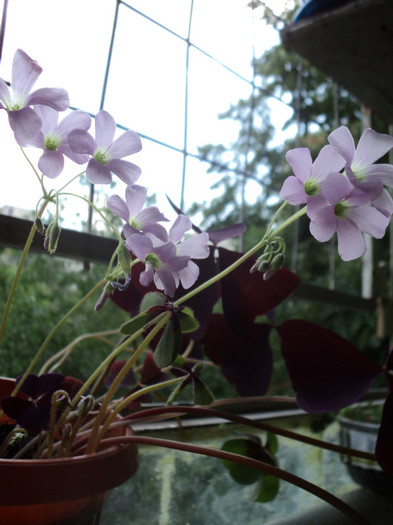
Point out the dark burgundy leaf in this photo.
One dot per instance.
(151, 373)
(245, 359)
(384, 449)
(114, 370)
(246, 295)
(327, 371)
(130, 299)
(228, 232)
(36, 386)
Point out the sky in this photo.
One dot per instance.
(146, 83)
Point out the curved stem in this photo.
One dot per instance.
(181, 410)
(245, 256)
(266, 468)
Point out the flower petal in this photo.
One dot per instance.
(51, 163)
(5, 94)
(335, 187)
(25, 72)
(126, 171)
(105, 127)
(351, 243)
(56, 98)
(301, 162)
(293, 192)
(75, 120)
(118, 207)
(195, 246)
(371, 147)
(98, 173)
(342, 140)
(25, 123)
(140, 245)
(324, 224)
(381, 172)
(328, 160)
(179, 228)
(384, 203)
(49, 117)
(81, 142)
(189, 275)
(135, 198)
(370, 220)
(127, 144)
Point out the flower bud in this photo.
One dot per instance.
(125, 260)
(39, 225)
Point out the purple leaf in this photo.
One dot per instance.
(245, 359)
(246, 295)
(327, 371)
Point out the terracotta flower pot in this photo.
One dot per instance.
(66, 491)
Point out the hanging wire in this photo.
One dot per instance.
(183, 178)
(2, 27)
(298, 104)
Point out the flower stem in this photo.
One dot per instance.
(245, 256)
(22, 260)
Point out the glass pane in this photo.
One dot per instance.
(147, 78)
(174, 14)
(225, 29)
(68, 44)
(212, 90)
(161, 174)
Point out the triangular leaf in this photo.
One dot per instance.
(327, 371)
(152, 299)
(169, 344)
(267, 488)
(136, 323)
(202, 393)
(187, 321)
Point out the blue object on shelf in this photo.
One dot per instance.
(313, 7)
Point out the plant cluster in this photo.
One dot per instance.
(192, 302)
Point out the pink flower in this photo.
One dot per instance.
(347, 213)
(53, 139)
(161, 262)
(106, 155)
(305, 186)
(194, 246)
(138, 220)
(360, 164)
(24, 121)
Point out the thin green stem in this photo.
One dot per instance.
(51, 334)
(245, 256)
(18, 272)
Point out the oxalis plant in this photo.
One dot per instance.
(171, 279)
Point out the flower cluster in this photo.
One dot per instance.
(34, 118)
(348, 203)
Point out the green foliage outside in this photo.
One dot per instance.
(48, 288)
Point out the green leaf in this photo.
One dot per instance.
(169, 345)
(242, 474)
(188, 323)
(202, 393)
(272, 443)
(137, 322)
(267, 488)
(152, 299)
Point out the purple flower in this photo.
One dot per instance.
(348, 213)
(138, 220)
(23, 119)
(360, 164)
(162, 263)
(106, 155)
(195, 247)
(53, 139)
(305, 186)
